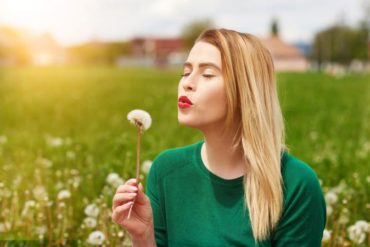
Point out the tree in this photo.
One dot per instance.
(274, 27)
(340, 44)
(191, 31)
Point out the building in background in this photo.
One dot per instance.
(158, 52)
(286, 57)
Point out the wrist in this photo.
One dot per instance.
(147, 239)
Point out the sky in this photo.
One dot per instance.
(77, 21)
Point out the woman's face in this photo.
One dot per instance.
(203, 83)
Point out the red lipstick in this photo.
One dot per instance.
(184, 102)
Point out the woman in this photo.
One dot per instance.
(238, 187)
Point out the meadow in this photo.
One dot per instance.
(65, 145)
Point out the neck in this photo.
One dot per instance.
(219, 155)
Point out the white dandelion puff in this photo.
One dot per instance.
(326, 236)
(90, 222)
(64, 194)
(145, 167)
(114, 180)
(96, 238)
(331, 198)
(140, 118)
(3, 139)
(4, 226)
(356, 235)
(363, 225)
(92, 210)
(39, 192)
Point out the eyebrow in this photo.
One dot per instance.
(187, 64)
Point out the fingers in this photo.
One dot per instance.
(126, 192)
(141, 196)
(120, 212)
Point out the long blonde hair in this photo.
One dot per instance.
(253, 103)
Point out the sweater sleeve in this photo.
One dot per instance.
(304, 215)
(157, 203)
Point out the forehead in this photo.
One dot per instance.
(203, 52)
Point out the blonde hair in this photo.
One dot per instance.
(253, 103)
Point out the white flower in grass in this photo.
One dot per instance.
(145, 167)
(326, 236)
(4, 226)
(90, 222)
(356, 235)
(3, 139)
(64, 194)
(40, 230)
(329, 210)
(39, 192)
(92, 210)
(54, 141)
(114, 180)
(363, 225)
(331, 198)
(96, 238)
(140, 118)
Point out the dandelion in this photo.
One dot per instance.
(356, 234)
(39, 192)
(96, 238)
(71, 155)
(114, 180)
(4, 226)
(145, 167)
(363, 225)
(92, 210)
(64, 194)
(331, 197)
(142, 120)
(90, 222)
(54, 141)
(326, 236)
(3, 139)
(44, 162)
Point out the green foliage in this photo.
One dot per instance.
(98, 52)
(191, 31)
(341, 44)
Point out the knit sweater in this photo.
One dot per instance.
(194, 207)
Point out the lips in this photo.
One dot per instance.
(184, 102)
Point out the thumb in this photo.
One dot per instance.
(141, 197)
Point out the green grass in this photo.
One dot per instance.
(326, 124)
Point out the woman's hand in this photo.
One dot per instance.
(140, 224)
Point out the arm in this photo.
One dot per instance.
(153, 188)
(304, 216)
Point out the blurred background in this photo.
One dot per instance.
(70, 71)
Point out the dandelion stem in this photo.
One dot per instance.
(138, 157)
(137, 167)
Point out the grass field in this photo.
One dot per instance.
(65, 129)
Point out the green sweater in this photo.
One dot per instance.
(194, 207)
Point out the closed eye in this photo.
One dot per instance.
(208, 75)
(185, 74)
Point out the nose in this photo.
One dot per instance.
(188, 83)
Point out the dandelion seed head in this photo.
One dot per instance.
(140, 118)
(92, 210)
(90, 222)
(356, 235)
(331, 198)
(3, 139)
(96, 238)
(326, 236)
(114, 180)
(145, 167)
(64, 194)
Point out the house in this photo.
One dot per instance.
(155, 52)
(286, 57)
